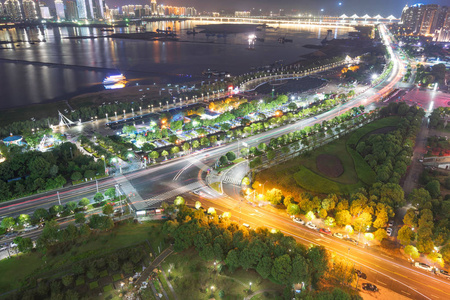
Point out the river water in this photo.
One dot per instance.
(53, 67)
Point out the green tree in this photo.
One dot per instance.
(300, 270)
(381, 219)
(318, 262)
(232, 260)
(154, 155)
(274, 196)
(282, 269)
(412, 252)
(67, 280)
(293, 209)
(108, 209)
(231, 155)
(40, 214)
(25, 245)
(179, 201)
(111, 192)
(434, 188)
(76, 176)
(195, 144)
(264, 266)
(165, 154)
(410, 218)
(262, 146)
(8, 223)
(380, 234)
(223, 160)
(84, 202)
(71, 206)
(80, 218)
(343, 218)
(99, 197)
(127, 267)
(186, 147)
(56, 209)
(175, 150)
(405, 235)
(270, 155)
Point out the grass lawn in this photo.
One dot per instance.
(302, 174)
(192, 278)
(93, 285)
(165, 286)
(15, 270)
(103, 273)
(117, 277)
(38, 111)
(108, 288)
(216, 186)
(79, 281)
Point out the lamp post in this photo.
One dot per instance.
(124, 113)
(104, 162)
(250, 286)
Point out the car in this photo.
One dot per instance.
(2, 248)
(361, 274)
(389, 231)
(298, 220)
(444, 273)
(423, 266)
(11, 234)
(369, 287)
(338, 235)
(325, 230)
(246, 225)
(350, 240)
(12, 245)
(311, 225)
(31, 228)
(391, 223)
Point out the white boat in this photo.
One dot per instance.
(113, 79)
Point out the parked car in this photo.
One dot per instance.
(31, 228)
(391, 223)
(351, 240)
(298, 220)
(361, 274)
(389, 231)
(423, 266)
(12, 245)
(11, 234)
(444, 273)
(338, 235)
(369, 287)
(246, 225)
(311, 225)
(325, 230)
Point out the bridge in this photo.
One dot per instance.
(339, 21)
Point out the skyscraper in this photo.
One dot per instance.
(153, 7)
(59, 7)
(71, 11)
(81, 8)
(99, 9)
(2, 10)
(29, 10)
(12, 8)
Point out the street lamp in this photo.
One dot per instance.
(250, 286)
(104, 162)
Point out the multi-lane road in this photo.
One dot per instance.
(180, 176)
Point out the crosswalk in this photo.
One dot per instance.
(232, 180)
(175, 192)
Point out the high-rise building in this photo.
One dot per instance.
(45, 11)
(154, 7)
(71, 10)
(59, 7)
(12, 9)
(29, 10)
(81, 8)
(99, 9)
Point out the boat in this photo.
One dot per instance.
(113, 79)
(106, 29)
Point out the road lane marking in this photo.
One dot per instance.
(381, 282)
(406, 293)
(434, 296)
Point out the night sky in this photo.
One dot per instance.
(360, 7)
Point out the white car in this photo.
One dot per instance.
(12, 245)
(31, 228)
(391, 223)
(311, 225)
(389, 231)
(423, 266)
(298, 220)
(338, 235)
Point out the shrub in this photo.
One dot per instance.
(127, 267)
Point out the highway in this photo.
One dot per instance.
(187, 174)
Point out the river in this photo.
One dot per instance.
(53, 67)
